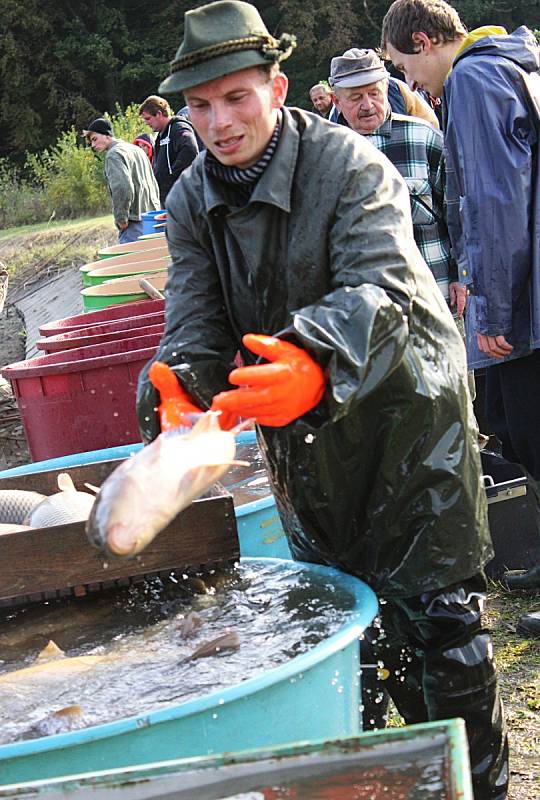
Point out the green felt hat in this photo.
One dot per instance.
(221, 38)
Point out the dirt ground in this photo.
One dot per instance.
(31, 257)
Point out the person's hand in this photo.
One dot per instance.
(494, 346)
(122, 226)
(458, 297)
(175, 404)
(277, 393)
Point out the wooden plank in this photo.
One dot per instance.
(46, 481)
(55, 559)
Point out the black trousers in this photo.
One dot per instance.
(440, 664)
(513, 409)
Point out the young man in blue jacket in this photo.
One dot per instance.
(491, 97)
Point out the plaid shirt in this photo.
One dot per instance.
(415, 149)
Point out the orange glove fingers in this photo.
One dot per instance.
(165, 381)
(269, 347)
(175, 404)
(275, 393)
(246, 402)
(260, 375)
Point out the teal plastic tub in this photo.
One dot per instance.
(312, 696)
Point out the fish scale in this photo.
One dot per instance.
(16, 505)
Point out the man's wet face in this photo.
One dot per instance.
(235, 116)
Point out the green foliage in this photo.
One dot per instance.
(65, 180)
(20, 203)
(71, 174)
(63, 63)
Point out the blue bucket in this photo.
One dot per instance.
(313, 696)
(148, 220)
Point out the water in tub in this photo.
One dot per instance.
(73, 663)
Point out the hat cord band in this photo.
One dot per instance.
(270, 48)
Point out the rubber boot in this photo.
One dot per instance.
(441, 664)
(529, 625)
(520, 579)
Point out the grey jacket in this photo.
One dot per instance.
(382, 479)
(130, 181)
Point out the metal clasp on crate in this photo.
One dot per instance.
(497, 492)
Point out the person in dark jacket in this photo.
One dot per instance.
(291, 240)
(175, 146)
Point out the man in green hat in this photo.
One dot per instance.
(291, 241)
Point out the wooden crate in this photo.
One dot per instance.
(45, 563)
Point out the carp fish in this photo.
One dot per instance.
(66, 506)
(51, 665)
(146, 492)
(17, 504)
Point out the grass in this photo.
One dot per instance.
(50, 247)
(54, 225)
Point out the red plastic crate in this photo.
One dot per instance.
(110, 314)
(81, 399)
(103, 333)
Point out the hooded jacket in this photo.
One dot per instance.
(493, 185)
(382, 479)
(174, 150)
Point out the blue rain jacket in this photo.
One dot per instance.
(493, 187)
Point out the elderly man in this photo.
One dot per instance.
(130, 180)
(360, 90)
(321, 98)
(175, 146)
(291, 240)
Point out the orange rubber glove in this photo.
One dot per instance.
(175, 403)
(277, 393)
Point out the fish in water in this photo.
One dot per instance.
(146, 492)
(190, 623)
(16, 504)
(227, 641)
(70, 718)
(50, 665)
(68, 505)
